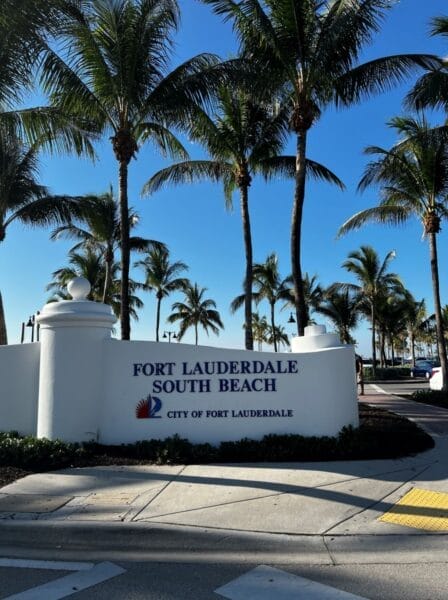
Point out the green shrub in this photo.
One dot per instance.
(380, 435)
(387, 373)
(32, 453)
(435, 397)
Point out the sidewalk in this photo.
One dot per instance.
(336, 501)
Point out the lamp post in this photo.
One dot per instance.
(168, 334)
(31, 323)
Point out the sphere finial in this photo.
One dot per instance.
(79, 288)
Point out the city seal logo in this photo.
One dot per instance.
(148, 408)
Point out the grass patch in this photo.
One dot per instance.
(381, 434)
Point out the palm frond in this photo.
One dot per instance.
(186, 172)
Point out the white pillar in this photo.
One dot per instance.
(72, 338)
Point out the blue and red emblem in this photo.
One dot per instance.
(148, 408)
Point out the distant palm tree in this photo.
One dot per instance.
(374, 282)
(116, 75)
(90, 264)
(102, 231)
(244, 138)
(414, 316)
(161, 277)
(413, 179)
(195, 311)
(313, 293)
(260, 329)
(310, 50)
(342, 308)
(278, 336)
(269, 286)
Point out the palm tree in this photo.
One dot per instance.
(313, 293)
(374, 283)
(22, 198)
(269, 286)
(25, 28)
(309, 51)
(341, 307)
(413, 176)
(195, 311)
(414, 316)
(3, 334)
(243, 138)
(431, 89)
(116, 75)
(277, 336)
(161, 277)
(100, 216)
(90, 264)
(260, 329)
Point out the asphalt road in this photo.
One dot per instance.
(407, 386)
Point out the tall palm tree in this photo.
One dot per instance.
(413, 179)
(341, 307)
(195, 311)
(310, 50)
(269, 286)
(415, 315)
(162, 277)
(89, 263)
(99, 228)
(22, 198)
(243, 138)
(3, 333)
(374, 282)
(116, 74)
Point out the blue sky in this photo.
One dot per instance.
(193, 222)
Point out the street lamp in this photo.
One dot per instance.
(31, 323)
(168, 334)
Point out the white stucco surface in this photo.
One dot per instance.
(87, 386)
(317, 400)
(19, 383)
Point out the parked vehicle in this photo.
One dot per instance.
(423, 368)
(436, 381)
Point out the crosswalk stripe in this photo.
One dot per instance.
(266, 583)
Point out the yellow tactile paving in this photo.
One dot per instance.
(420, 509)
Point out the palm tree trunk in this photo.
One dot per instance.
(125, 251)
(249, 340)
(438, 309)
(382, 349)
(372, 317)
(296, 233)
(159, 302)
(196, 334)
(274, 337)
(3, 334)
(412, 349)
(109, 258)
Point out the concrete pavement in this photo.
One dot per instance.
(331, 500)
